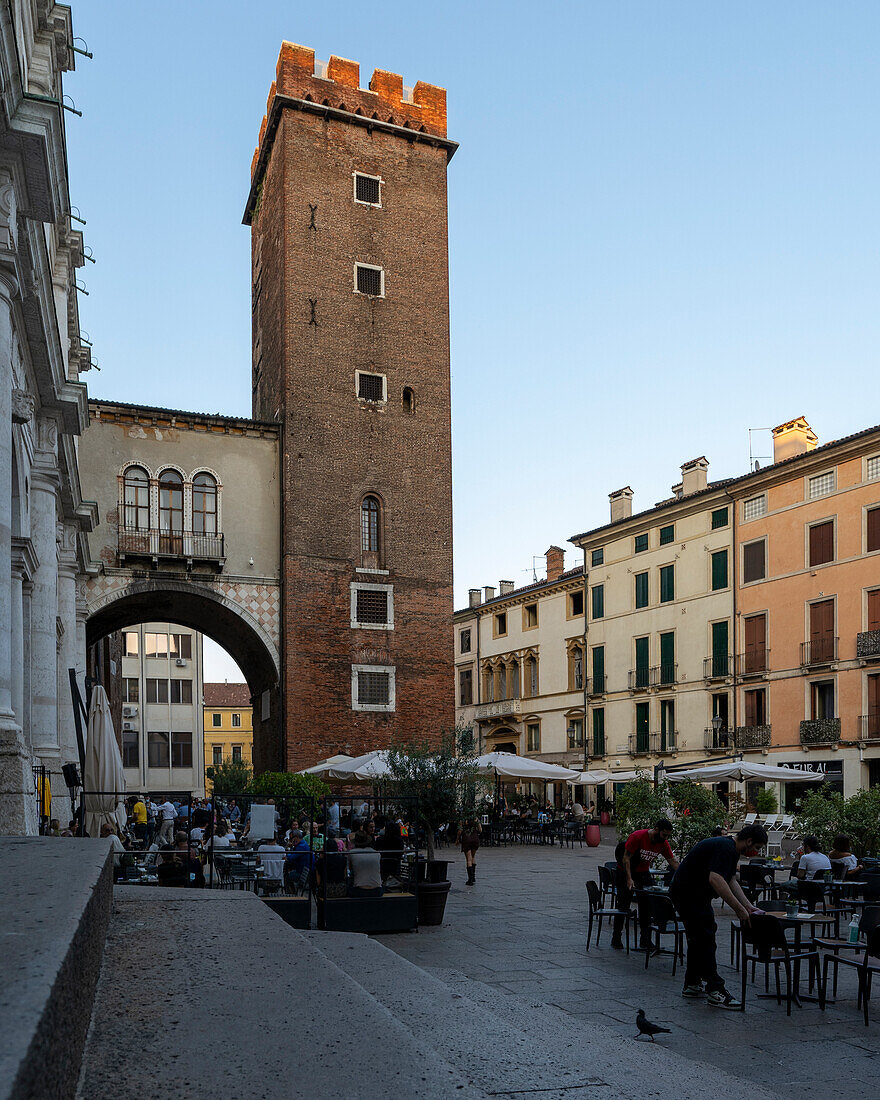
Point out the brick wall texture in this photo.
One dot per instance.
(311, 332)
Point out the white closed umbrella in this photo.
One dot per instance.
(104, 776)
(591, 779)
(372, 765)
(738, 770)
(508, 765)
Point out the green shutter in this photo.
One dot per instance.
(598, 601)
(667, 658)
(720, 654)
(599, 732)
(667, 583)
(642, 731)
(641, 589)
(719, 570)
(719, 518)
(667, 534)
(599, 668)
(641, 652)
(641, 543)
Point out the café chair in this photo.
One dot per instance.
(763, 941)
(598, 912)
(864, 967)
(869, 920)
(662, 921)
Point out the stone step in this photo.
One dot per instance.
(509, 1044)
(209, 992)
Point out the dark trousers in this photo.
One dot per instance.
(624, 901)
(700, 927)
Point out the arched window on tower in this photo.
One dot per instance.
(409, 401)
(371, 532)
(170, 512)
(204, 505)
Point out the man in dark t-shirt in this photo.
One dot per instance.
(708, 871)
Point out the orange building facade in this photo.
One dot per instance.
(807, 613)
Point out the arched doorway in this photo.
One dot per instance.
(215, 615)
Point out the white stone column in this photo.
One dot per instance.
(44, 598)
(67, 646)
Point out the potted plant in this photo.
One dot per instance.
(444, 780)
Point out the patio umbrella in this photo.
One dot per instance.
(372, 765)
(508, 765)
(103, 771)
(738, 770)
(591, 779)
(327, 765)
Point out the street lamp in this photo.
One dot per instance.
(717, 723)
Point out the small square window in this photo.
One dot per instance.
(370, 387)
(372, 606)
(822, 484)
(576, 604)
(374, 688)
(667, 534)
(873, 468)
(464, 641)
(530, 615)
(640, 543)
(370, 280)
(367, 189)
(236, 721)
(598, 556)
(719, 518)
(755, 507)
(501, 622)
(132, 638)
(216, 720)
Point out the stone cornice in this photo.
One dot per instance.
(24, 561)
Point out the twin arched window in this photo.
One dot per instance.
(136, 502)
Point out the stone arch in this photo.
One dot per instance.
(216, 616)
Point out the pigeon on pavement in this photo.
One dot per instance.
(647, 1028)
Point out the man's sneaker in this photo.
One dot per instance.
(617, 945)
(694, 990)
(720, 998)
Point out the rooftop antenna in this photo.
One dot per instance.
(756, 462)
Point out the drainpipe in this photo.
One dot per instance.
(479, 688)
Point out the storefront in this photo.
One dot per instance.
(793, 792)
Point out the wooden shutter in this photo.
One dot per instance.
(822, 630)
(874, 529)
(755, 643)
(874, 610)
(753, 562)
(756, 709)
(822, 543)
(874, 706)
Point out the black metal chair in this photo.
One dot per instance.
(607, 885)
(765, 936)
(662, 921)
(868, 921)
(598, 912)
(758, 883)
(863, 967)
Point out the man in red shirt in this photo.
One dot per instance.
(633, 871)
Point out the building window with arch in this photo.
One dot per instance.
(170, 512)
(576, 667)
(136, 499)
(371, 532)
(204, 505)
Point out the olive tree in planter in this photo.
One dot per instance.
(443, 777)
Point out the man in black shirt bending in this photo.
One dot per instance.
(709, 871)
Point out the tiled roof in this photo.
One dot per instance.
(227, 695)
(533, 587)
(157, 410)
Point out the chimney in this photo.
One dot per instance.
(555, 563)
(694, 476)
(621, 504)
(505, 588)
(795, 437)
(488, 593)
(473, 597)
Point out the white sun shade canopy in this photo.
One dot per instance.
(103, 775)
(372, 765)
(510, 766)
(327, 765)
(738, 770)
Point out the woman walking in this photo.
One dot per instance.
(469, 839)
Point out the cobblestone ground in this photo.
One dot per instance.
(522, 930)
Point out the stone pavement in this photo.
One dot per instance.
(521, 930)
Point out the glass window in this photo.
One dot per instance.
(136, 489)
(181, 645)
(182, 749)
(873, 467)
(170, 501)
(130, 688)
(155, 645)
(719, 518)
(641, 583)
(667, 534)
(371, 606)
(576, 603)
(531, 615)
(822, 699)
(132, 643)
(374, 688)
(370, 525)
(131, 755)
(501, 623)
(754, 564)
(181, 691)
(204, 505)
(157, 690)
(719, 570)
(575, 733)
(216, 720)
(236, 721)
(533, 737)
(157, 749)
(216, 755)
(598, 600)
(577, 668)
(640, 543)
(598, 556)
(465, 687)
(667, 583)
(464, 641)
(236, 753)
(755, 507)
(822, 484)
(532, 674)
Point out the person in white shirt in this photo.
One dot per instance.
(167, 815)
(272, 860)
(116, 845)
(813, 863)
(841, 853)
(365, 865)
(222, 838)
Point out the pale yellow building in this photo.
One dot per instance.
(228, 725)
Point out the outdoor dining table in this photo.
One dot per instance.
(798, 922)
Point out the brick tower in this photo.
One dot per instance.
(347, 209)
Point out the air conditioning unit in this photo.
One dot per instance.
(128, 725)
(181, 662)
(129, 710)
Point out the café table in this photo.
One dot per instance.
(798, 922)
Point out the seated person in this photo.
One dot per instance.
(331, 867)
(117, 847)
(841, 853)
(179, 864)
(390, 845)
(271, 856)
(299, 862)
(365, 865)
(222, 838)
(813, 863)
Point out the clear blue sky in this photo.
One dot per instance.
(663, 229)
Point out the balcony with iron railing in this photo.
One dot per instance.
(597, 745)
(502, 708)
(820, 731)
(752, 737)
(666, 741)
(642, 744)
(755, 662)
(818, 652)
(717, 667)
(140, 542)
(720, 740)
(664, 675)
(868, 645)
(596, 685)
(869, 727)
(639, 678)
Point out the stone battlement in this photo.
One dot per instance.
(336, 83)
